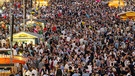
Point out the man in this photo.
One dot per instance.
(29, 73)
(76, 73)
(34, 71)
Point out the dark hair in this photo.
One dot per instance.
(11, 75)
(33, 74)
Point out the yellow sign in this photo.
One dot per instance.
(42, 2)
(23, 35)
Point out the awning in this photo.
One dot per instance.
(26, 35)
(15, 59)
(127, 15)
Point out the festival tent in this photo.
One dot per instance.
(127, 15)
(8, 63)
(116, 3)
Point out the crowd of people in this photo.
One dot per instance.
(80, 38)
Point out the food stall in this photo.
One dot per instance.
(8, 62)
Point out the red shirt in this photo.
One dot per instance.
(54, 28)
(5, 16)
(19, 5)
(45, 29)
(59, 14)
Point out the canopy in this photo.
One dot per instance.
(127, 15)
(116, 3)
(26, 35)
(15, 59)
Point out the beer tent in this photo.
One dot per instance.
(127, 15)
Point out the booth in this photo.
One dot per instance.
(127, 15)
(26, 37)
(8, 62)
(116, 3)
(6, 69)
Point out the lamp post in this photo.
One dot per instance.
(10, 13)
(24, 14)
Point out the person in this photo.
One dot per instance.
(28, 73)
(34, 72)
(59, 72)
(44, 71)
(76, 73)
(77, 33)
(11, 75)
(85, 73)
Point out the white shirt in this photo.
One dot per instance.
(29, 73)
(45, 75)
(63, 32)
(90, 68)
(36, 49)
(68, 38)
(81, 41)
(73, 44)
(34, 72)
(40, 51)
(14, 51)
(55, 62)
(87, 58)
(102, 29)
(3, 41)
(66, 66)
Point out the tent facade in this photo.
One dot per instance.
(26, 37)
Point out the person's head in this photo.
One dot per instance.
(32, 68)
(12, 75)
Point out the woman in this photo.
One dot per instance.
(44, 71)
(59, 72)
